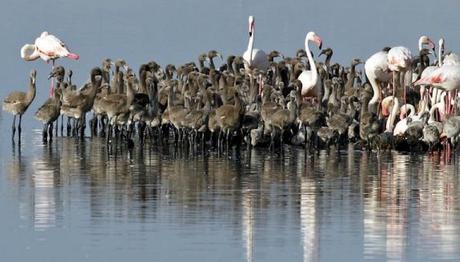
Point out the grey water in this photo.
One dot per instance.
(73, 201)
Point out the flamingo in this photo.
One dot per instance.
(47, 47)
(387, 103)
(377, 72)
(451, 58)
(446, 77)
(399, 61)
(311, 83)
(254, 59)
(428, 70)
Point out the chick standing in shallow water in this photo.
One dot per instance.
(17, 103)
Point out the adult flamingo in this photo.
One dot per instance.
(47, 47)
(446, 77)
(377, 72)
(399, 62)
(255, 59)
(311, 82)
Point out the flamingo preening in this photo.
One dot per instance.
(47, 47)
(311, 82)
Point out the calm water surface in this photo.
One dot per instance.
(72, 201)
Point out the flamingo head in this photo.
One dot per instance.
(425, 40)
(386, 105)
(403, 112)
(251, 25)
(312, 36)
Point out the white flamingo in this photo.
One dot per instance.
(311, 82)
(377, 72)
(451, 58)
(47, 47)
(255, 58)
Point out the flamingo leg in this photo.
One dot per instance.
(13, 127)
(455, 101)
(394, 83)
(52, 80)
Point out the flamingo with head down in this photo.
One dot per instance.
(47, 47)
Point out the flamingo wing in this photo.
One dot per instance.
(399, 58)
(259, 59)
(50, 46)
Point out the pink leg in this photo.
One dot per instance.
(52, 82)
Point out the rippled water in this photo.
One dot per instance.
(72, 201)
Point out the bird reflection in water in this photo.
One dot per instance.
(399, 196)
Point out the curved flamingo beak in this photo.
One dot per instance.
(251, 29)
(318, 42)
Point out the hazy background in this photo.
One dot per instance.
(171, 31)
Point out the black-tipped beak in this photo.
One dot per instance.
(320, 46)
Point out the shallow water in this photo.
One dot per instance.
(71, 200)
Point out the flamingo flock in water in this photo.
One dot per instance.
(401, 101)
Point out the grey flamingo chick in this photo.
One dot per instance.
(49, 112)
(17, 103)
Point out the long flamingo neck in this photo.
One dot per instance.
(314, 72)
(251, 46)
(29, 57)
(392, 117)
(440, 55)
(376, 89)
(438, 106)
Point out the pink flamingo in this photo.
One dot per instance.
(447, 78)
(47, 47)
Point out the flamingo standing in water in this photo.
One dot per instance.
(47, 47)
(255, 59)
(311, 82)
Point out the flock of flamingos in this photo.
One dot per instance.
(403, 102)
